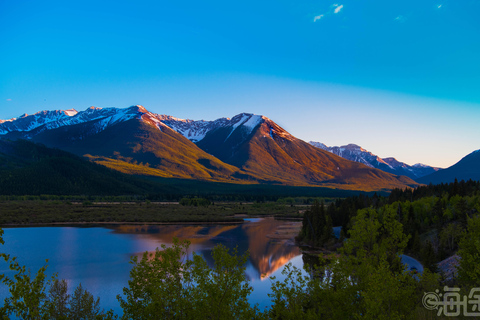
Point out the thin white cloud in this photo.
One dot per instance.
(9, 99)
(336, 9)
(399, 18)
(439, 6)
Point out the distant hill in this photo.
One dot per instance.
(356, 153)
(28, 168)
(467, 168)
(247, 149)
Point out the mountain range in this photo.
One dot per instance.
(245, 149)
(356, 153)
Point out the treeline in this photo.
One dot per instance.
(461, 188)
(195, 202)
(317, 227)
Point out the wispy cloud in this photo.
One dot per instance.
(399, 18)
(9, 99)
(439, 6)
(334, 9)
(338, 8)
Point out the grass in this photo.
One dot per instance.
(31, 212)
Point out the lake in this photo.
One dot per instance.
(98, 257)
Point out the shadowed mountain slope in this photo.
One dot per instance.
(467, 168)
(28, 168)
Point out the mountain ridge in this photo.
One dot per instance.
(356, 153)
(247, 148)
(467, 168)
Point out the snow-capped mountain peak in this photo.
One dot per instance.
(8, 120)
(420, 165)
(318, 145)
(45, 120)
(356, 153)
(196, 130)
(71, 112)
(28, 122)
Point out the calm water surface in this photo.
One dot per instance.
(98, 257)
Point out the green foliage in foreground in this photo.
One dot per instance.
(366, 281)
(469, 269)
(167, 285)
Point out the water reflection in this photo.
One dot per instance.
(268, 241)
(97, 257)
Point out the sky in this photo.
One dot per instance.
(399, 78)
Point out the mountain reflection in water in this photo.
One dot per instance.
(268, 241)
(97, 257)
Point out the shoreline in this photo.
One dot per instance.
(103, 223)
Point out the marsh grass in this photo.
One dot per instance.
(31, 212)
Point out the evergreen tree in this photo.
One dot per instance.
(429, 257)
(317, 227)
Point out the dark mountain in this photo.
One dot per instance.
(356, 153)
(466, 169)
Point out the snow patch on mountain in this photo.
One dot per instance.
(8, 120)
(47, 120)
(190, 129)
(319, 145)
(196, 130)
(29, 122)
(71, 112)
(254, 121)
(420, 165)
(246, 121)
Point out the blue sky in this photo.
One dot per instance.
(400, 79)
